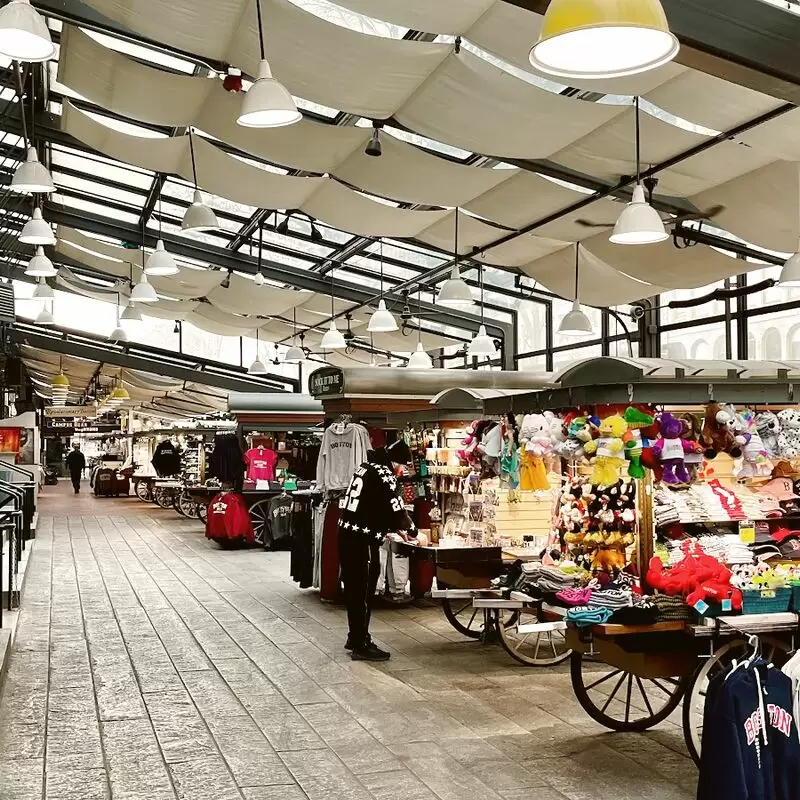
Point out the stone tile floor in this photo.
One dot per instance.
(150, 665)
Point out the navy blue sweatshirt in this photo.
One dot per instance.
(751, 749)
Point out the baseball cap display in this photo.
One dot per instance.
(780, 488)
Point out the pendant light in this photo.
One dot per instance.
(45, 317)
(32, 177)
(603, 38)
(333, 338)
(259, 278)
(160, 262)
(639, 222)
(36, 231)
(482, 344)
(43, 291)
(382, 321)
(24, 35)
(130, 314)
(295, 354)
(119, 335)
(576, 323)
(40, 266)
(374, 147)
(257, 367)
(419, 358)
(267, 104)
(455, 293)
(59, 386)
(143, 292)
(790, 274)
(199, 217)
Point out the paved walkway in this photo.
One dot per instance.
(150, 665)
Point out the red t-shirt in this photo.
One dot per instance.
(260, 464)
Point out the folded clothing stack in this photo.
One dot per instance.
(671, 609)
(612, 599)
(665, 509)
(583, 616)
(574, 597)
(549, 580)
(644, 612)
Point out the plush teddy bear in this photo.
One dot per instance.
(635, 443)
(769, 428)
(718, 432)
(789, 436)
(756, 463)
(671, 448)
(608, 450)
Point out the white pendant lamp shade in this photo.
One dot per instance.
(790, 274)
(44, 317)
(420, 359)
(294, 355)
(43, 291)
(259, 279)
(382, 321)
(267, 103)
(40, 266)
(639, 222)
(482, 344)
(24, 35)
(603, 38)
(160, 262)
(199, 216)
(37, 231)
(575, 323)
(131, 314)
(257, 368)
(333, 338)
(118, 334)
(143, 292)
(455, 293)
(32, 177)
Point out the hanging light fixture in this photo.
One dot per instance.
(36, 231)
(374, 147)
(639, 222)
(40, 266)
(119, 334)
(257, 367)
(295, 354)
(382, 320)
(160, 262)
(603, 38)
(32, 177)
(24, 35)
(482, 344)
(259, 278)
(199, 217)
(333, 338)
(267, 104)
(455, 293)
(576, 323)
(45, 317)
(59, 387)
(130, 314)
(43, 291)
(419, 358)
(790, 274)
(143, 292)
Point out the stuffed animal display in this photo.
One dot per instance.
(608, 450)
(769, 428)
(789, 436)
(755, 460)
(671, 448)
(718, 434)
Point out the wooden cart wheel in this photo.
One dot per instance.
(164, 497)
(621, 700)
(466, 619)
(259, 515)
(186, 506)
(535, 649)
(773, 650)
(202, 512)
(143, 491)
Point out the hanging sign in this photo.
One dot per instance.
(62, 412)
(326, 382)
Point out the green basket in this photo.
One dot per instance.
(796, 597)
(767, 601)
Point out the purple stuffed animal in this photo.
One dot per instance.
(671, 448)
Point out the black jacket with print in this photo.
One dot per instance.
(371, 506)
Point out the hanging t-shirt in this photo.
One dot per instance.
(280, 517)
(260, 464)
(167, 459)
(229, 519)
(344, 447)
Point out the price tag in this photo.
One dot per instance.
(768, 594)
(727, 605)
(747, 531)
(701, 607)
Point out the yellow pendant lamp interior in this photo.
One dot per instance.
(603, 38)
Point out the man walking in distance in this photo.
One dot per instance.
(76, 464)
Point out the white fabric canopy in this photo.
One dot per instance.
(244, 297)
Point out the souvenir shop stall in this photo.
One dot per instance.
(367, 409)
(673, 562)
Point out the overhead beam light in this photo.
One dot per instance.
(603, 39)
(24, 35)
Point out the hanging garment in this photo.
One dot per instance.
(751, 749)
(343, 448)
(166, 459)
(279, 521)
(319, 527)
(229, 520)
(533, 475)
(260, 464)
(329, 587)
(227, 460)
(302, 533)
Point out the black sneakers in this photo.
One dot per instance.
(369, 653)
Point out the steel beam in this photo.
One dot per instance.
(147, 359)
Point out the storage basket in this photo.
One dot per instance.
(795, 597)
(766, 601)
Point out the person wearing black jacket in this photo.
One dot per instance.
(371, 509)
(76, 464)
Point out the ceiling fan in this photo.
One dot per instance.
(688, 216)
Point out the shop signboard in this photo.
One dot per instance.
(326, 382)
(70, 412)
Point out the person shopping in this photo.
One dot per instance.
(76, 464)
(371, 510)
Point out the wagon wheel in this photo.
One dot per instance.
(185, 505)
(143, 491)
(773, 650)
(466, 619)
(164, 497)
(259, 515)
(536, 649)
(621, 700)
(202, 512)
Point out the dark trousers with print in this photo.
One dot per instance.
(360, 562)
(76, 479)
